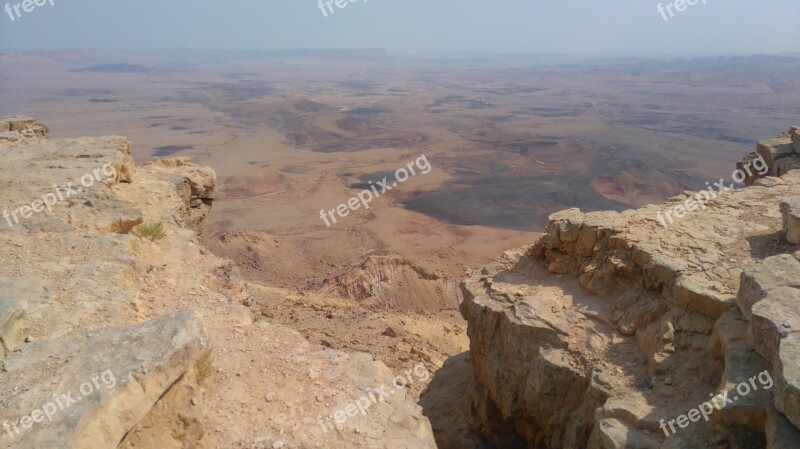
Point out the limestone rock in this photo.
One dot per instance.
(196, 186)
(790, 208)
(96, 298)
(777, 271)
(774, 149)
(114, 375)
(787, 164)
(20, 128)
(751, 174)
(397, 283)
(753, 412)
(730, 332)
(14, 294)
(524, 339)
(9, 136)
(18, 122)
(787, 378)
(403, 424)
(779, 154)
(446, 402)
(775, 319)
(72, 181)
(615, 434)
(648, 314)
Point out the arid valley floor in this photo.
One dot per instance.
(509, 142)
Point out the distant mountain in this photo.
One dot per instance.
(370, 54)
(115, 68)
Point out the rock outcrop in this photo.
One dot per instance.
(781, 155)
(113, 337)
(614, 325)
(396, 283)
(790, 208)
(114, 375)
(21, 128)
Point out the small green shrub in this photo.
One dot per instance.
(153, 231)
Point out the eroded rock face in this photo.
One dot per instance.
(773, 150)
(192, 367)
(790, 208)
(14, 294)
(613, 324)
(20, 129)
(114, 375)
(780, 154)
(196, 186)
(396, 283)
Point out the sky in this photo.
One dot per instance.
(580, 27)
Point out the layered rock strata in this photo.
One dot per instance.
(396, 283)
(114, 338)
(613, 325)
(781, 154)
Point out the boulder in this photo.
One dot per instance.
(20, 127)
(15, 295)
(12, 311)
(777, 271)
(754, 413)
(745, 166)
(787, 164)
(790, 209)
(774, 318)
(105, 382)
(787, 378)
(612, 433)
(9, 136)
(773, 149)
(19, 122)
(196, 186)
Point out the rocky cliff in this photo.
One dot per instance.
(118, 329)
(613, 327)
(396, 283)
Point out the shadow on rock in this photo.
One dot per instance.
(446, 404)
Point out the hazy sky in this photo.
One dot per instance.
(410, 26)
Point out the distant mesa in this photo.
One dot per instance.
(115, 68)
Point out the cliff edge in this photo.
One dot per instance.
(669, 326)
(118, 329)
